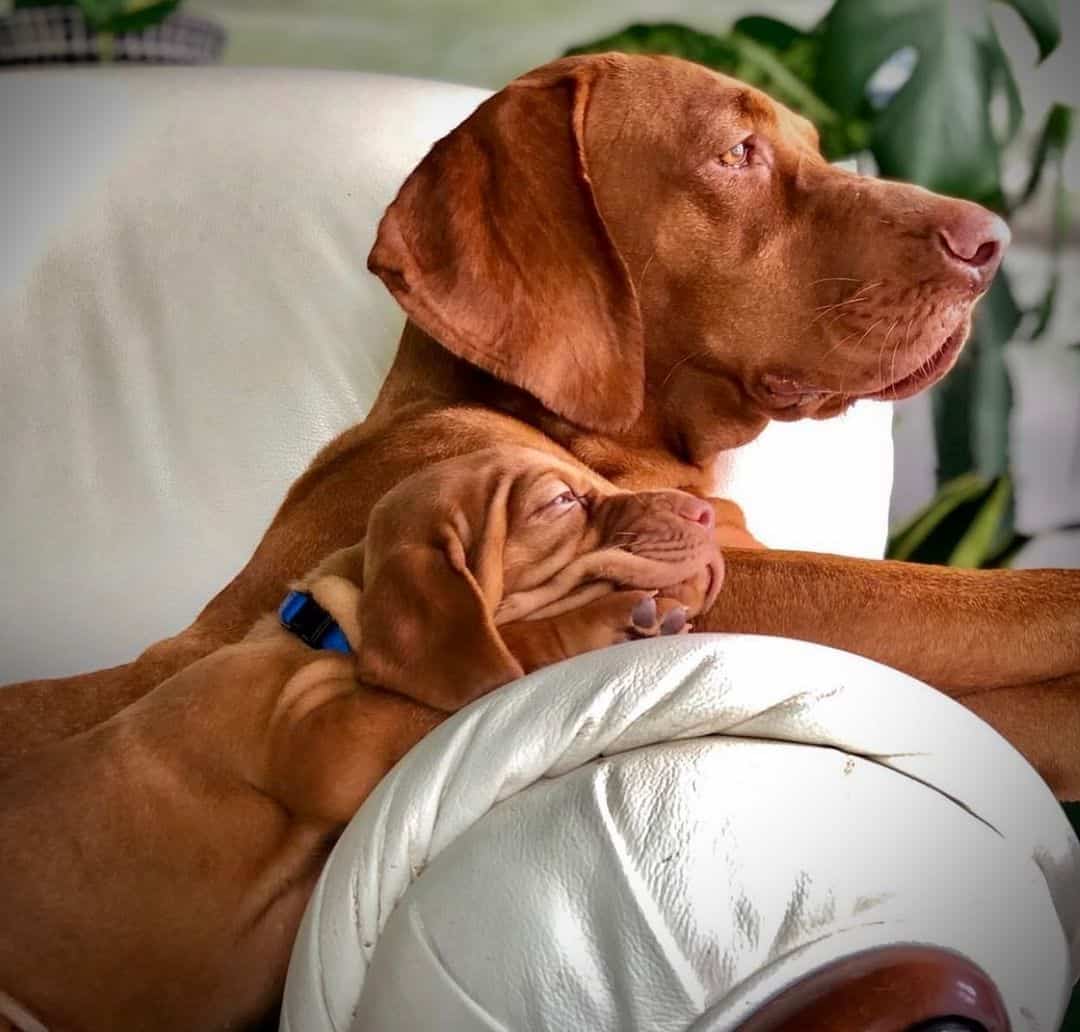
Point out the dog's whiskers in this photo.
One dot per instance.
(870, 329)
(896, 351)
(844, 340)
(826, 309)
(885, 345)
(862, 294)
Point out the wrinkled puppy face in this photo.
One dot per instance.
(571, 536)
(532, 528)
(758, 263)
(498, 535)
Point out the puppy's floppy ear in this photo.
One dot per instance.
(496, 248)
(427, 631)
(336, 584)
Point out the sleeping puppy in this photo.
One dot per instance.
(155, 868)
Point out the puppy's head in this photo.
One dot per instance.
(609, 229)
(498, 535)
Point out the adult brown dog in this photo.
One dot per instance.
(155, 868)
(637, 263)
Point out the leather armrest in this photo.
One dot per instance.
(892, 989)
(671, 834)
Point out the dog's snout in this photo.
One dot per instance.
(695, 510)
(637, 520)
(975, 241)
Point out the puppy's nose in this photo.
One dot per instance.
(695, 510)
(973, 242)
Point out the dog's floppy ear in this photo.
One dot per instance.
(426, 630)
(496, 248)
(336, 584)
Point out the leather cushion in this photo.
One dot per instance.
(669, 832)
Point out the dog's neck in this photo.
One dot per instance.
(688, 419)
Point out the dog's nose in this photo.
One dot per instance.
(974, 242)
(695, 510)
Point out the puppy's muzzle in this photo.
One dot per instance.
(669, 527)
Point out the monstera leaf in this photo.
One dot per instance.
(938, 129)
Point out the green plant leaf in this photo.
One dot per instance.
(781, 82)
(973, 404)
(908, 538)
(118, 16)
(99, 13)
(1043, 18)
(1003, 558)
(968, 523)
(1002, 78)
(1043, 312)
(770, 32)
(997, 319)
(138, 16)
(1050, 149)
(990, 528)
(952, 402)
(937, 130)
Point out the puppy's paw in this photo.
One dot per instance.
(652, 616)
(614, 618)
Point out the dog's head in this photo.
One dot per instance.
(620, 235)
(503, 534)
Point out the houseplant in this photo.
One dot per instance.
(90, 31)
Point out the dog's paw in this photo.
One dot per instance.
(652, 616)
(628, 616)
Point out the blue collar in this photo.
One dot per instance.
(312, 624)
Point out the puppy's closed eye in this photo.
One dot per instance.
(563, 501)
(559, 500)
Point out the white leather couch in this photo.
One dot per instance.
(660, 836)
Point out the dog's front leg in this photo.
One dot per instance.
(1005, 643)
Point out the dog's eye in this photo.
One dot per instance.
(561, 503)
(738, 156)
(554, 498)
